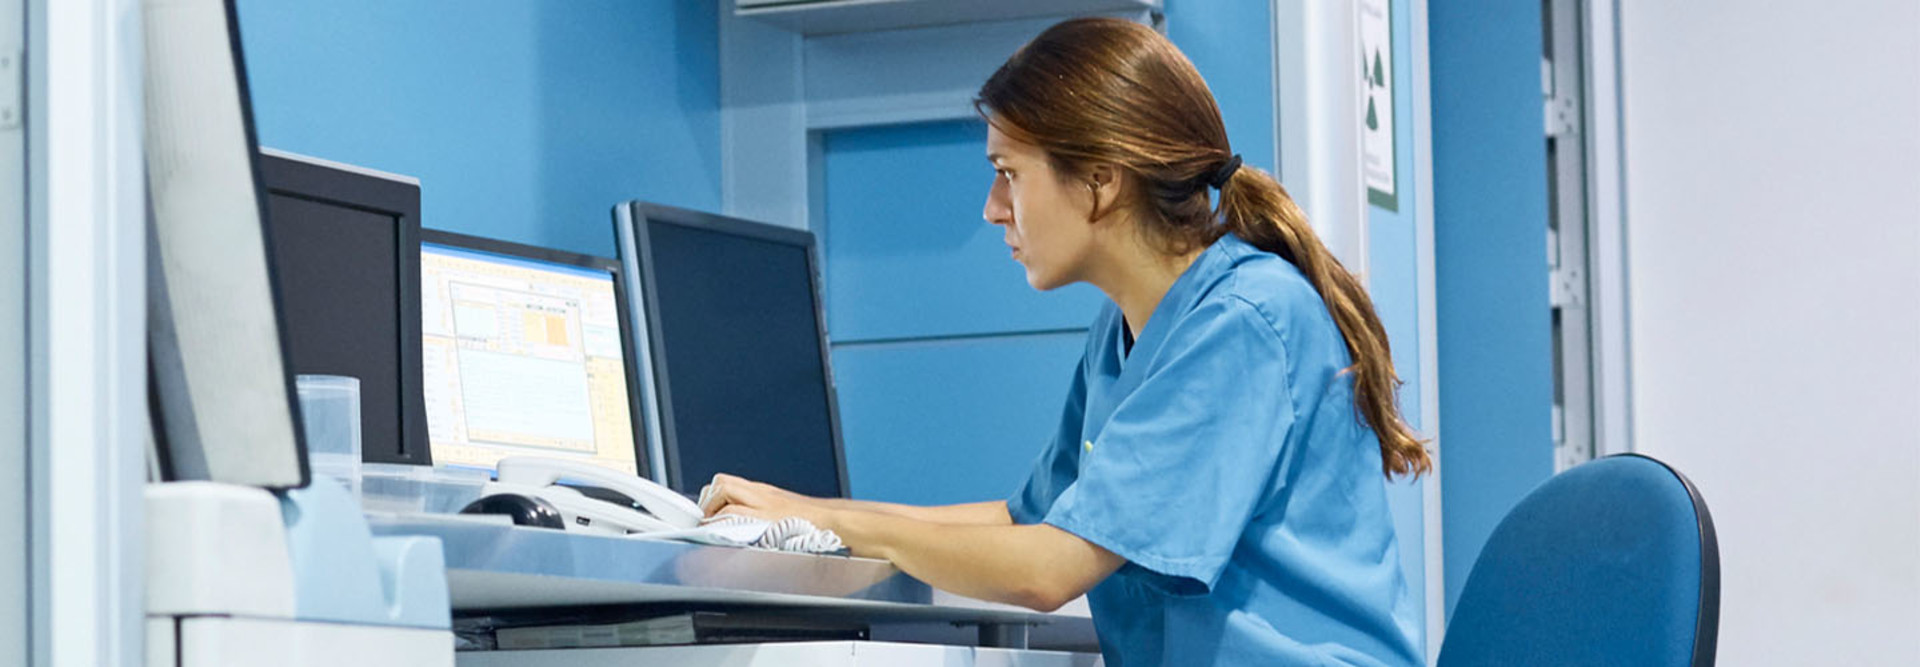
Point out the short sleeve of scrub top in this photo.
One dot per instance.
(1177, 470)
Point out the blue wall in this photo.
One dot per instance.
(908, 253)
(952, 420)
(951, 370)
(1490, 226)
(524, 121)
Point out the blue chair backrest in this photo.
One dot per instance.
(1611, 563)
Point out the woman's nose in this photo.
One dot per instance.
(998, 211)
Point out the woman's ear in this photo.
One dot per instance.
(1104, 182)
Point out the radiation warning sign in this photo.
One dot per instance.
(1376, 129)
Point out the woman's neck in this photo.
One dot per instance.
(1138, 277)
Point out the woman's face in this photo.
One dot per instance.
(1047, 220)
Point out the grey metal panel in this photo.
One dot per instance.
(1563, 89)
(38, 607)
(496, 567)
(1606, 227)
(14, 582)
(782, 654)
(632, 570)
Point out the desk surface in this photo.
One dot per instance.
(835, 654)
(499, 567)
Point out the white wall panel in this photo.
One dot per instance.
(1772, 177)
(14, 588)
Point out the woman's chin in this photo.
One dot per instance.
(1041, 281)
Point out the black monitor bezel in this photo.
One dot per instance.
(639, 214)
(288, 175)
(643, 462)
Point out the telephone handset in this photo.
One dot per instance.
(539, 477)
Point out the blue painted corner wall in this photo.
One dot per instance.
(524, 121)
(1490, 230)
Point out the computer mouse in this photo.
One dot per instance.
(525, 510)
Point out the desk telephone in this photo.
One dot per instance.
(528, 487)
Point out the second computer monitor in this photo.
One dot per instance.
(526, 352)
(739, 358)
(345, 243)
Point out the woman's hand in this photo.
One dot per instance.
(728, 494)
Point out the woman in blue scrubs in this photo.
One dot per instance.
(1217, 484)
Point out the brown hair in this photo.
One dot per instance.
(1108, 91)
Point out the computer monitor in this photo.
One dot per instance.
(346, 246)
(737, 349)
(220, 395)
(525, 352)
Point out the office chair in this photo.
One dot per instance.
(1611, 563)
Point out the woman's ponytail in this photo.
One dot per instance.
(1256, 208)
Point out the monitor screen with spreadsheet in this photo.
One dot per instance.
(524, 352)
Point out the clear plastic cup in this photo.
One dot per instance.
(330, 416)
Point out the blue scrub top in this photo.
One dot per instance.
(1222, 457)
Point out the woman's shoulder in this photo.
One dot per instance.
(1270, 285)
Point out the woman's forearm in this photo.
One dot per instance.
(1036, 566)
(993, 513)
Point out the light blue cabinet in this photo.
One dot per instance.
(951, 421)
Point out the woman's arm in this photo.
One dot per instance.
(1036, 566)
(728, 489)
(992, 513)
(974, 550)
